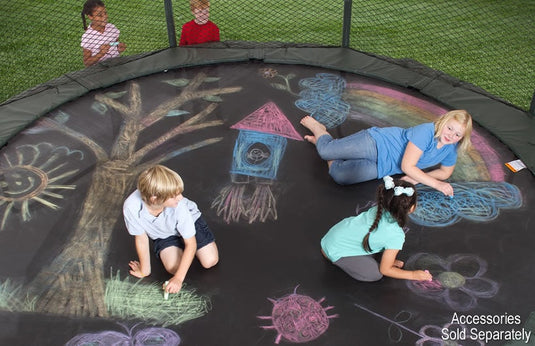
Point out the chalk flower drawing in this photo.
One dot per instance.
(432, 336)
(268, 72)
(298, 318)
(33, 174)
(457, 281)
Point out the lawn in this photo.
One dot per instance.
(486, 43)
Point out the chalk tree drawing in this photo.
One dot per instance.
(257, 154)
(33, 173)
(298, 318)
(322, 98)
(458, 281)
(475, 201)
(147, 336)
(73, 283)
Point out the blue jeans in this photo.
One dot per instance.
(354, 158)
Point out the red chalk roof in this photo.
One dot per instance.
(268, 119)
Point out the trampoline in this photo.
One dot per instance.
(227, 120)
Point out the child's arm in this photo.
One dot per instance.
(175, 283)
(91, 60)
(391, 267)
(142, 268)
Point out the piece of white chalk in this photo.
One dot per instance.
(165, 293)
(114, 43)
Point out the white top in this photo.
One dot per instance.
(171, 221)
(92, 40)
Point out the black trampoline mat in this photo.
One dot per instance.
(232, 132)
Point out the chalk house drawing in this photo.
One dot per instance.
(34, 174)
(298, 318)
(257, 154)
(458, 281)
(73, 283)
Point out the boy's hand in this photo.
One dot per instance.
(121, 47)
(173, 286)
(135, 269)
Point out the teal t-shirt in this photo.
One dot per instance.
(392, 142)
(345, 238)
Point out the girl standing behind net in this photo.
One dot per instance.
(352, 243)
(100, 40)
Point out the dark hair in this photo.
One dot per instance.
(89, 7)
(397, 206)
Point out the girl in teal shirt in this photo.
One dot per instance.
(352, 243)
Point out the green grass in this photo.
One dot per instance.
(486, 43)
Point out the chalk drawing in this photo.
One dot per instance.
(73, 282)
(430, 335)
(298, 318)
(33, 174)
(460, 280)
(475, 201)
(257, 154)
(138, 300)
(396, 326)
(147, 336)
(270, 73)
(321, 97)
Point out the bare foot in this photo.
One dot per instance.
(317, 128)
(311, 139)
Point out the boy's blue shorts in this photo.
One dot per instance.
(203, 235)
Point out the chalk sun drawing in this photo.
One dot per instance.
(32, 173)
(257, 154)
(298, 318)
(148, 336)
(458, 281)
(475, 201)
(322, 98)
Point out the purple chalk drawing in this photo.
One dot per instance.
(298, 318)
(457, 281)
(147, 336)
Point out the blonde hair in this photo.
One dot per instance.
(465, 119)
(200, 4)
(159, 182)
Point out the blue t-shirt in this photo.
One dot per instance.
(171, 221)
(392, 142)
(345, 238)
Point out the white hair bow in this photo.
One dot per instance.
(398, 190)
(389, 182)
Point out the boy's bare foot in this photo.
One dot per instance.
(317, 128)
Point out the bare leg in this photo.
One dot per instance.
(317, 128)
(208, 255)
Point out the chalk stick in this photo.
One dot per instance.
(165, 293)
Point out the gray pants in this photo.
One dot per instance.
(362, 268)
